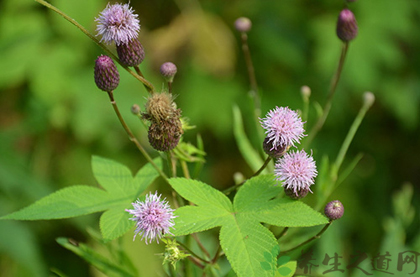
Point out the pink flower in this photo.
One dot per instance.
(117, 23)
(296, 170)
(283, 127)
(153, 218)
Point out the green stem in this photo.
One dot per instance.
(170, 163)
(197, 239)
(349, 138)
(146, 83)
(133, 138)
(185, 170)
(317, 236)
(227, 191)
(327, 107)
(282, 233)
(186, 248)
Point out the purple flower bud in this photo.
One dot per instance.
(168, 71)
(334, 210)
(346, 26)
(243, 24)
(106, 74)
(131, 53)
(271, 151)
(298, 194)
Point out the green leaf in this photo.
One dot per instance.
(91, 256)
(68, 202)
(193, 219)
(113, 177)
(115, 222)
(201, 194)
(254, 199)
(250, 247)
(121, 190)
(244, 243)
(245, 147)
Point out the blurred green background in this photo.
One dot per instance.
(53, 118)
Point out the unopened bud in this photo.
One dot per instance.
(271, 151)
(346, 26)
(131, 53)
(106, 74)
(368, 98)
(243, 24)
(298, 194)
(135, 109)
(334, 210)
(168, 71)
(305, 91)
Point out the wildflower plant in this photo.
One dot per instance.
(253, 215)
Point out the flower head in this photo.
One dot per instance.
(117, 23)
(296, 170)
(153, 218)
(283, 127)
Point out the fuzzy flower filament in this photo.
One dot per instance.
(118, 23)
(283, 127)
(297, 171)
(153, 218)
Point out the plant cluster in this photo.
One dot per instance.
(249, 214)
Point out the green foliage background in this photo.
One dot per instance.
(53, 118)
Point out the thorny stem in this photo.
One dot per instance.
(227, 191)
(133, 138)
(317, 236)
(334, 82)
(145, 82)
